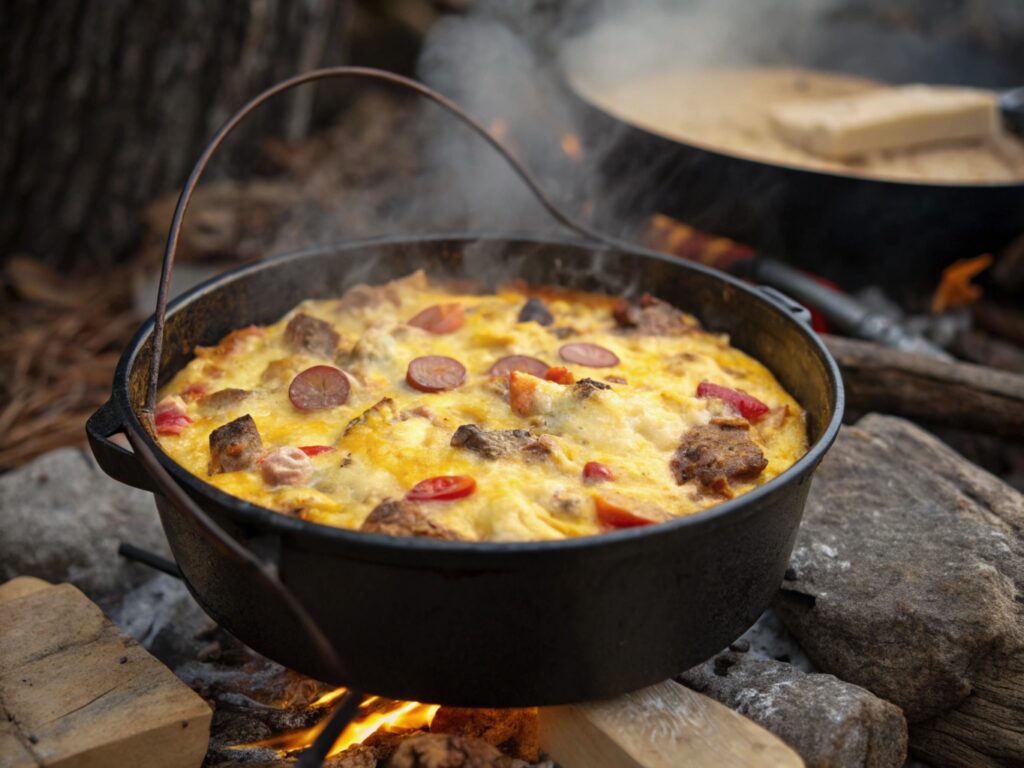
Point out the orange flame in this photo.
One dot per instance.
(374, 713)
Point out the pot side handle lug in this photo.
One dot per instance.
(117, 461)
(794, 307)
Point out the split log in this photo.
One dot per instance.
(953, 394)
(76, 692)
(906, 579)
(830, 723)
(663, 726)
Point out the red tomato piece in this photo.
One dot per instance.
(615, 515)
(170, 417)
(750, 407)
(316, 450)
(560, 375)
(443, 488)
(440, 318)
(595, 471)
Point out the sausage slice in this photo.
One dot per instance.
(235, 446)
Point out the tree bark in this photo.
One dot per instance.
(107, 104)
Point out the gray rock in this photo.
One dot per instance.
(769, 639)
(828, 722)
(909, 576)
(61, 519)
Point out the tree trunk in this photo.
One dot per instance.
(107, 104)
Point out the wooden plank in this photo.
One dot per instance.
(952, 394)
(79, 694)
(664, 726)
(13, 752)
(21, 586)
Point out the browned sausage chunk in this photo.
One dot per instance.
(491, 444)
(405, 518)
(535, 310)
(311, 334)
(235, 446)
(223, 398)
(652, 317)
(714, 454)
(584, 388)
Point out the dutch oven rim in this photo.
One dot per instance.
(910, 185)
(468, 553)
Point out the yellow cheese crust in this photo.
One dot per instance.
(633, 428)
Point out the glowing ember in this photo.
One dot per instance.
(375, 713)
(571, 146)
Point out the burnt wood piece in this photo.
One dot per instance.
(907, 578)
(76, 691)
(831, 724)
(513, 731)
(953, 394)
(439, 750)
(985, 349)
(1000, 320)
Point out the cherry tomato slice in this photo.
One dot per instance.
(316, 450)
(590, 355)
(614, 515)
(435, 373)
(442, 488)
(319, 387)
(749, 406)
(560, 375)
(524, 363)
(440, 318)
(595, 471)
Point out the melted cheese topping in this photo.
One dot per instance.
(633, 428)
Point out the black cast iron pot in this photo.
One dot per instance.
(478, 623)
(855, 229)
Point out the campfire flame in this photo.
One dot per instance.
(374, 714)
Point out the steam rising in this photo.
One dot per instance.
(508, 61)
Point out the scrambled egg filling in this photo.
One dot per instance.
(603, 439)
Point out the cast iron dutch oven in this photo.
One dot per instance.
(481, 623)
(855, 229)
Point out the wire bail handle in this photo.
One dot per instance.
(367, 73)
